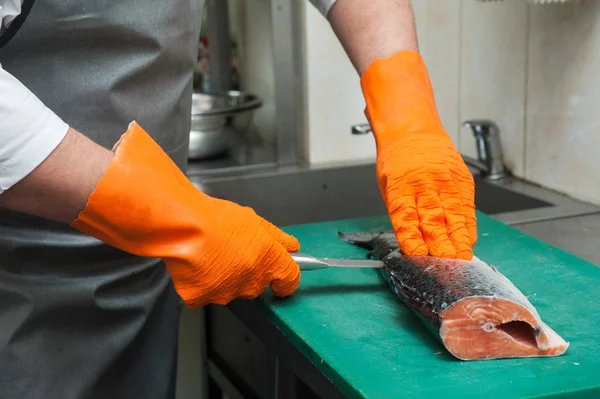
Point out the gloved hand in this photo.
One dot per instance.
(214, 250)
(425, 183)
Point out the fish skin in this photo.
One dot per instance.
(440, 289)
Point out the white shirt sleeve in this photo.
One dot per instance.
(323, 5)
(29, 131)
(9, 10)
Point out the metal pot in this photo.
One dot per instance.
(217, 118)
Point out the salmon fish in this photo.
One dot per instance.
(474, 309)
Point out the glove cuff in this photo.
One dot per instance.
(145, 205)
(399, 98)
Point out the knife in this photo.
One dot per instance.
(307, 262)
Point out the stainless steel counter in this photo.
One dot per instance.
(579, 235)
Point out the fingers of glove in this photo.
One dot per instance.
(285, 273)
(466, 191)
(251, 288)
(433, 224)
(471, 222)
(254, 279)
(254, 290)
(382, 183)
(289, 242)
(404, 217)
(468, 205)
(456, 223)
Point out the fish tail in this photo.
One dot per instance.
(364, 239)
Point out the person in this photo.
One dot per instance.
(101, 233)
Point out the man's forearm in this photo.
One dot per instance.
(373, 29)
(426, 186)
(59, 187)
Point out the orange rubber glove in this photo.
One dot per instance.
(428, 189)
(214, 250)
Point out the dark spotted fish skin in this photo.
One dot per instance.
(429, 284)
(475, 311)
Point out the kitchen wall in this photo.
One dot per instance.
(334, 101)
(475, 53)
(563, 91)
(530, 68)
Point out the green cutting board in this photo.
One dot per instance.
(359, 334)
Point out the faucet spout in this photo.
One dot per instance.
(489, 147)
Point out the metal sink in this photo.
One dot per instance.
(309, 195)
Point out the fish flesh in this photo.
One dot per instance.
(474, 309)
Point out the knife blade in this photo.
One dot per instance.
(307, 262)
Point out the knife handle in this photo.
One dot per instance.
(307, 262)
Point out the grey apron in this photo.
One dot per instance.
(80, 319)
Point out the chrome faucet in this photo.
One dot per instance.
(490, 160)
(361, 128)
